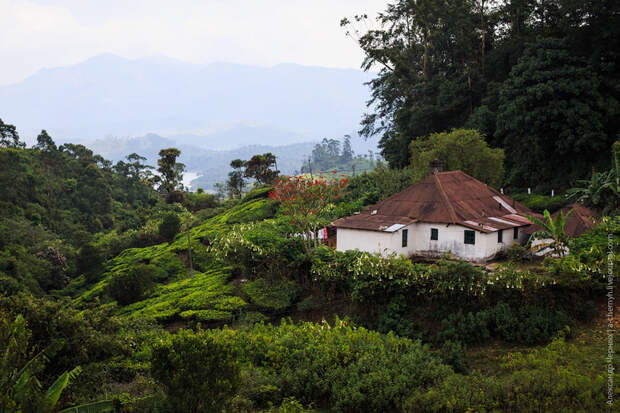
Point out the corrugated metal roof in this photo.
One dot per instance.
(394, 228)
(445, 197)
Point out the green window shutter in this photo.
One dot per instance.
(516, 233)
(500, 236)
(434, 234)
(405, 235)
(470, 237)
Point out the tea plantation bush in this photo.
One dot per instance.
(526, 324)
(556, 378)
(339, 367)
(199, 373)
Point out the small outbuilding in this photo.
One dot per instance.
(447, 212)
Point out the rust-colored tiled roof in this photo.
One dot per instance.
(445, 197)
(582, 219)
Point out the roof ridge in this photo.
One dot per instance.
(445, 199)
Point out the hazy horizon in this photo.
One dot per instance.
(39, 34)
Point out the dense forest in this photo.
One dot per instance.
(120, 291)
(539, 79)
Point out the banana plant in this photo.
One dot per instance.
(20, 385)
(553, 229)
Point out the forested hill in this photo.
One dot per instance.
(54, 200)
(69, 190)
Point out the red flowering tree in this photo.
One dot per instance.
(306, 202)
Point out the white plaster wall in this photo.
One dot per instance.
(370, 241)
(450, 239)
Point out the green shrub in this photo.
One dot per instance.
(133, 285)
(557, 378)
(90, 335)
(526, 324)
(199, 373)
(337, 367)
(270, 293)
(466, 328)
(90, 262)
(169, 227)
(516, 253)
(538, 203)
(454, 354)
(393, 317)
(196, 201)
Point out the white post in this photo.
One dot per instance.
(501, 190)
(552, 192)
(529, 191)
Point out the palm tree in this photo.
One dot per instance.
(552, 228)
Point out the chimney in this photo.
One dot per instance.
(435, 166)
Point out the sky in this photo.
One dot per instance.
(36, 34)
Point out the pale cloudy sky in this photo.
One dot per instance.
(35, 34)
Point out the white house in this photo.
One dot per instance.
(447, 212)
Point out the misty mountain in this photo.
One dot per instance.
(231, 104)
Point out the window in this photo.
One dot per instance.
(434, 234)
(405, 234)
(470, 237)
(500, 236)
(516, 233)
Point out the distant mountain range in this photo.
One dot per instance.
(215, 106)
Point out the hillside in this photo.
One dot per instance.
(122, 302)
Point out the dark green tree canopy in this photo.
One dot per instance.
(235, 182)
(260, 167)
(45, 142)
(9, 138)
(550, 117)
(442, 65)
(169, 227)
(170, 171)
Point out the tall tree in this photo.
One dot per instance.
(136, 169)
(442, 63)
(9, 138)
(429, 75)
(347, 151)
(170, 171)
(235, 181)
(550, 118)
(260, 167)
(45, 142)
